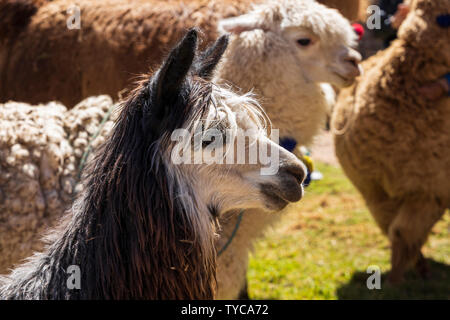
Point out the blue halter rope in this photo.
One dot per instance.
(233, 234)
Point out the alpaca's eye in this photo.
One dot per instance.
(206, 143)
(304, 42)
(214, 141)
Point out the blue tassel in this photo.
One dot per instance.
(443, 20)
(447, 77)
(307, 180)
(288, 143)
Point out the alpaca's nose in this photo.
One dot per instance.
(291, 175)
(297, 170)
(353, 58)
(353, 61)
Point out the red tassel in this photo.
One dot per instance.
(359, 29)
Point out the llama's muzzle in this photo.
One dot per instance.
(290, 186)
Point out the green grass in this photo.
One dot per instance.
(324, 245)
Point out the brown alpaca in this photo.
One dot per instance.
(394, 144)
(115, 43)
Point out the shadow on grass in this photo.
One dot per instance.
(414, 287)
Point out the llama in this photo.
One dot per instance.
(114, 44)
(393, 143)
(144, 227)
(290, 46)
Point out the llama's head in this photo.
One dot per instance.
(214, 141)
(303, 37)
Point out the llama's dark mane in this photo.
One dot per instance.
(128, 232)
(138, 230)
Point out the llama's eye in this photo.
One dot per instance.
(206, 143)
(304, 42)
(212, 140)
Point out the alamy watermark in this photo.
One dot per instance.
(74, 19)
(374, 280)
(374, 12)
(74, 278)
(374, 18)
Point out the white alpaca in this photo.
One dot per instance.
(284, 51)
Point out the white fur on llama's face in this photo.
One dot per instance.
(317, 40)
(240, 130)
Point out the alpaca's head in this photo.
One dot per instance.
(214, 141)
(427, 28)
(302, 36)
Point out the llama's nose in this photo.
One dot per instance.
(354, 58)
(353, 61)
(298, 171)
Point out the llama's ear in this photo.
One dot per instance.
(170, 77)
(239, 24)
(209, 59)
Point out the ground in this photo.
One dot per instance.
(323, 246)
(323, 149)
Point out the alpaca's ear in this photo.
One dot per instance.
(170, 77)
(209, 59)
(239, 24)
